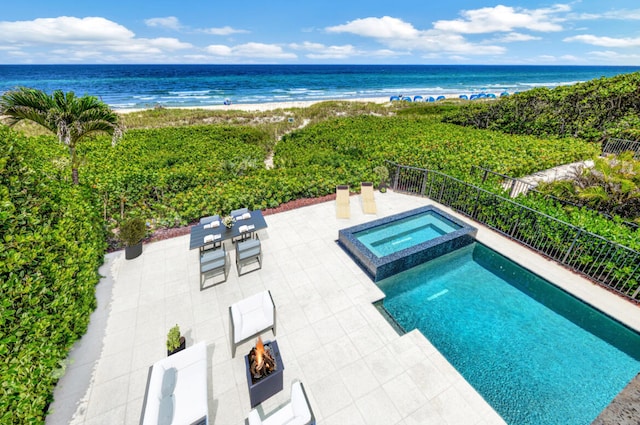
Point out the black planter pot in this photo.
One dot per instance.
(180, 348)
(131, 252)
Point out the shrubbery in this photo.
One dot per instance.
(52, 246)
(589, 110)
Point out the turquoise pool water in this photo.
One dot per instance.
(401, 234)
(535, 353)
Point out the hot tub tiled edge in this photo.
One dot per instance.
(380, 268)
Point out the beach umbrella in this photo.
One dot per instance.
(440, 98)
(417, 98)
(464, 97)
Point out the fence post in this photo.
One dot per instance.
(476, 204)
(424, 182)
(395, 179)
(575, 240)
(513, 186)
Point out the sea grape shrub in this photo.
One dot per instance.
(52, 245)
(591, 110)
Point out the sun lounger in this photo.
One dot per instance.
(342, 202)
(368, 201)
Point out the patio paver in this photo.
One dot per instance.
(355, 367)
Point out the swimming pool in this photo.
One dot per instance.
(404, 233)
(390, 245)
(535, 353)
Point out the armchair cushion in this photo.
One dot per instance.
(251, 316)
(296, 412)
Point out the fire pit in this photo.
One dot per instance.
(264, 370)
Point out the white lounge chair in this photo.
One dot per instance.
(296, 412)
(250, 317)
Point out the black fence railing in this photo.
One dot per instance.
(517, 187)
(608, 263)
(616, 146)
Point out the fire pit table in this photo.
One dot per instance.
(263, 387)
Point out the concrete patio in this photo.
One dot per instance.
(355, 367)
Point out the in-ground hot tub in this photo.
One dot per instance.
(393, 244)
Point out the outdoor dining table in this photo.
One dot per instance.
(222, 233)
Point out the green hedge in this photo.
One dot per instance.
(52, 246)
(423, 141)
(589, 110)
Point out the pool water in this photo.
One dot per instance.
(535, 353)
(393, 237)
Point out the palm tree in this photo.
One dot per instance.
(71, 118)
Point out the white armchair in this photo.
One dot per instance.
(296, 412)
(250, 317)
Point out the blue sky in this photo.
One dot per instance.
(588, 32)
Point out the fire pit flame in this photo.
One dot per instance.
(261, 360)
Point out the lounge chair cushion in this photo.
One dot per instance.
(165, 411)
(188, 401)
(169, 381)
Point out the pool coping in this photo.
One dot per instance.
(378, 268)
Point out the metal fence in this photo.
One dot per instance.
(616, 146)
(517, 187)
(606, 262)
(513, 185)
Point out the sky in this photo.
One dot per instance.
(587, 32)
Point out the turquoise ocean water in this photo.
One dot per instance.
(143, 86)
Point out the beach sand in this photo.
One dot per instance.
(262, 107)
(270, 106)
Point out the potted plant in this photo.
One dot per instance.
(131, 233)
(383, 175)
(175, 342)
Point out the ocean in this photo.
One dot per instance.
(145, 86)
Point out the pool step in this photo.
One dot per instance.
(623, 410)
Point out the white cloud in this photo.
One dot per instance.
(605, 41)
(250, 50)
(65, 29)
(504, 19)
(91, 38)
(610, 56)
(385, 27)
(620, 14)
(224, 31)
(170, 22)
(320, 51)
(515, 37)
(164, 43)
(400, 35)
(219, 50)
